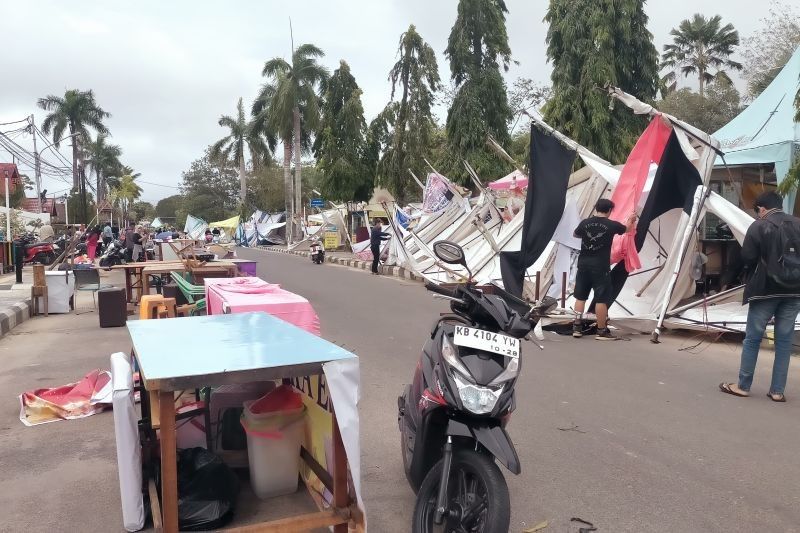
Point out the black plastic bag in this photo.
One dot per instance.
(207, 490)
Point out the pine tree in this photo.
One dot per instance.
(340, 143)
(592, 43)
(416, 76)
(477, 48)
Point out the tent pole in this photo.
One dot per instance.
(421, 186)
(690, 229)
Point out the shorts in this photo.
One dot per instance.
(590, 278)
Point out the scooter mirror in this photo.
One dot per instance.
(450, 253)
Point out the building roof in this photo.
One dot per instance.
(13, 173)
(32, 205)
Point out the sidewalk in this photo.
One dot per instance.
(15, 301)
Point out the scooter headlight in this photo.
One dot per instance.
(511, 371)
(478, 400)
(450, 354)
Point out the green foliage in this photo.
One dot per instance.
(719, 107)
(699, 45)
(104, 159)
(142, 211)
(75, 208)
(402, 132)
(477, 48)
(166, 207)
(526, 96)
(209, 190)
(77, 111)
(287, 107)
(768, 50)
(340, 144)
(592, 43)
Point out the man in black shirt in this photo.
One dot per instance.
(594, 264)
(375, 238)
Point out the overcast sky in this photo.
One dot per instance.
(166, 71)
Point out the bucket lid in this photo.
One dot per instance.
(283, 398)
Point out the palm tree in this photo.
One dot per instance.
(700, 45)
(104, 160)
(76, 111)
(288, 107)
(127, 192)
(232, 146)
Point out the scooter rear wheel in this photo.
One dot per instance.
(477, 497)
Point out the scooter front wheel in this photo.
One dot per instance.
(477, 497)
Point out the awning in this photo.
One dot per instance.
(228, 223)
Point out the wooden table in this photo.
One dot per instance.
(193, 352)
(136, 274)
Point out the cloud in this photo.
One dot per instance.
(167, 70)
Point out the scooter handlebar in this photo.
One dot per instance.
(440, 290)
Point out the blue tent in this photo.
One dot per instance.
(765, 132)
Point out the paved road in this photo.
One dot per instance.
(655, 446)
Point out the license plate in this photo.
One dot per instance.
(486, 341)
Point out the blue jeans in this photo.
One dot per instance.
(758, 315)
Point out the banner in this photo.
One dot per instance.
(319, 430)
(437, 194)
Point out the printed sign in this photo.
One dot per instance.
(331, 240)
(317, 202)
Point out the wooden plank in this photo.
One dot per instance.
(295, 524)
(169, 463)
(317, 468)
(155, 505)
(155, 409)
(341, 498)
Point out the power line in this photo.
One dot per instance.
(14, 122)
(158, 184)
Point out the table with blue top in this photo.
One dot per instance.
(193, 352)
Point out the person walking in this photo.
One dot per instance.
(92, 236)
(108, 235)
(594, 265)
(771, 257)
(137, 242)
(375, 238)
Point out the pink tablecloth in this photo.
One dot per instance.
(246, 294)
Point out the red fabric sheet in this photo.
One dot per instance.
(649, 149)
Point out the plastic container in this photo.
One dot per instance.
(273, 449)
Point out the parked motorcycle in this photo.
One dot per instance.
(38, 252)
(317, 253)
(452, 417)
(113, 255)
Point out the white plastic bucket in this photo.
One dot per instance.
(273, 453)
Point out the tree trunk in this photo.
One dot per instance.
(100, 189)
(702, 82)
(242, 182)
(75, 177)
(287, 186)
(298, 180)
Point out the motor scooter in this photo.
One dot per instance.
(37, 252)
(317, 253)
(114, 255)
(453, 416)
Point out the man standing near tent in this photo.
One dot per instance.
(771, 255)
(375, 238)
(594, 265)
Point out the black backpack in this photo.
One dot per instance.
(783, 259)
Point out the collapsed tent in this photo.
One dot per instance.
(195, 227)
(766, 131)
(263, 229)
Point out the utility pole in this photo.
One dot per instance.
(37, 170)
(8, 208)
(84, 207)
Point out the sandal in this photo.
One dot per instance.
(726, 388)
(776, 397)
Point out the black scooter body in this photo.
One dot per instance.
(426, 421)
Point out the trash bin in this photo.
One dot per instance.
(60, 289)
(274, 436)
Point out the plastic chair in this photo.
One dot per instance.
(191, 292)
(89, 280)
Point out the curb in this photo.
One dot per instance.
(394, 271)
(14, 315)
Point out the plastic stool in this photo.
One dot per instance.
(168, 309)
(149, 306)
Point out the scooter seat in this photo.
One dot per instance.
(34, 245)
